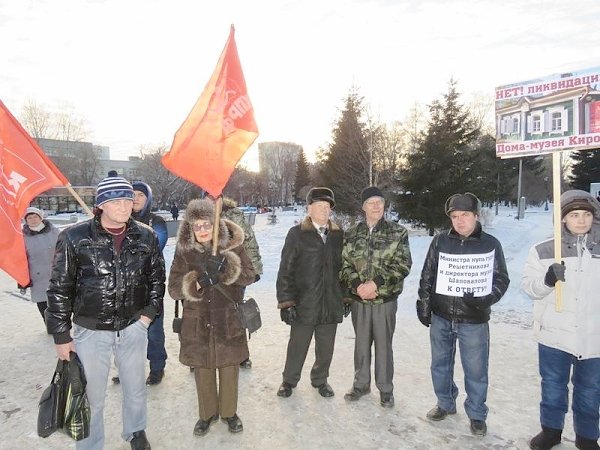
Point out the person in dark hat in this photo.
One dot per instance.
(142, 212)
(569, 338)
(309, 293)
(376, 260)
(463, 275)
(107, 285)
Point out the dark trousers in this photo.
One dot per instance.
(42, 307)
(157, 354)
(300, 337)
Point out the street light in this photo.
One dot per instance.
(546, 184)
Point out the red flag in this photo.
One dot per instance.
(218, 130)
(26, 172)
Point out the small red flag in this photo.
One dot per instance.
(26, 172)
(218, 130)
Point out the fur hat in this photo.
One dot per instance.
(371, 191)
(113, 187)
(320, 194)
(463, 202)
(200, 208)
(576, 199)
(33, 210)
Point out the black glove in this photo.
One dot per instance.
(288, 315)
(207, 279)
(23, 291)
(470, 300)
(478, 302)
(347, 308)
(256, 278)
(216, 264)
(423, 313)
(555, 272)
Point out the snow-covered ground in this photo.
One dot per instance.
(305, 420)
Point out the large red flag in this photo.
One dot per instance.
(26, 172)
(218, 130)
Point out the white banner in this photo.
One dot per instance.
(458, 274)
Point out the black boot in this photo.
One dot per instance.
(139, 441)
(586, 444)
(545, 439)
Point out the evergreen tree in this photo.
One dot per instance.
(441, 164)
(302, 176)
(345, 162)
(585, 169)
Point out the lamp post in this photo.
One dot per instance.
(546, 184)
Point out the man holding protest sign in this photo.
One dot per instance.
(463, 275)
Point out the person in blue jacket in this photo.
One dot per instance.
(157, 354)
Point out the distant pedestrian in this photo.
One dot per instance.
(458, 309)
(174, 211)
(569, 339)
(40, 242)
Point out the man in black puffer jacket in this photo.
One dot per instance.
(463, 275)
(107, 283)
(309, 293)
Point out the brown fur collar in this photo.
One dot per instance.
(307, 225)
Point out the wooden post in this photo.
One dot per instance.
(79, 200)
(556, 178)
(215, 237)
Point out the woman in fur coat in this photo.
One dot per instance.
(212, 336)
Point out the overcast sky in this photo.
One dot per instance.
(134, 68)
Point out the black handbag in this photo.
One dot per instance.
(248, 312)
(249, 315)
(51, 405)
(177, 321)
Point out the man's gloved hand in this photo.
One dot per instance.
(470, 300)
(288, 315)
(347, 308)
(216, 264)
(423, 313)
(207, 279)
(256, 278)
(555, 272)
(23, 291)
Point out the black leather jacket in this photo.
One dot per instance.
(103, 290)
(451, 307)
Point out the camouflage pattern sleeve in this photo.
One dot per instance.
(392, 261)
(349, 275)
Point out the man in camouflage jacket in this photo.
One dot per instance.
(375, 260)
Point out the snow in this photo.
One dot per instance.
(305, 420)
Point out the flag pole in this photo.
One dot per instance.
(556, 177)
(215, 236)
(79, 200)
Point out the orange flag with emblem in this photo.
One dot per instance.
(218, 130)
(26, 172)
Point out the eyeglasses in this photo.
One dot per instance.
(202, 226)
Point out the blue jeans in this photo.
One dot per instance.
(95, 348)
(157, 354)
(474, 344)
(555, 369)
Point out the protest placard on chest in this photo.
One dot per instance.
(458, 274)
